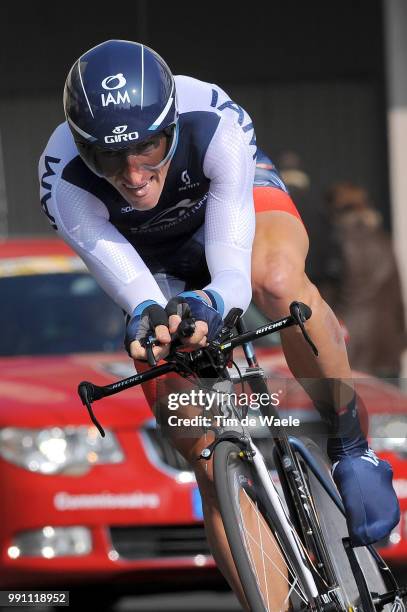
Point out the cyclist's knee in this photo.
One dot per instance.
(281, 280)
(278, 277)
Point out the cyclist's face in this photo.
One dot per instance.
(140, 186)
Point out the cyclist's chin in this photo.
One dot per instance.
(141, 202)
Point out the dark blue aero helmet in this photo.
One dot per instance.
(117, 96)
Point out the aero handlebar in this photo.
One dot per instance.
(186, 362)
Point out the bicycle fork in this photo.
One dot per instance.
(279, 516)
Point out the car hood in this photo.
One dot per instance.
(42, 391)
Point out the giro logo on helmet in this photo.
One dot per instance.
(119, 129)
(119, 136)
(115, 81)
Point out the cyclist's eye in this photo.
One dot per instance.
(149, 145)
(144, 147)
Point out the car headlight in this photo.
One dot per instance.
(59, 450)
(51, 542)
(388, 432)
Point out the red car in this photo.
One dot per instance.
(78, 509)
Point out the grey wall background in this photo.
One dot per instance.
(311, 74)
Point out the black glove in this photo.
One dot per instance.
(190, 304)
(146, 316)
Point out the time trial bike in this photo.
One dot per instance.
(283, 517)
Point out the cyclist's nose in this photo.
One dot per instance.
(134, 171)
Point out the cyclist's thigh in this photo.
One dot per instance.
(268, 198)
(280, 231)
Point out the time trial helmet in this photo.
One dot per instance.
(120, 99)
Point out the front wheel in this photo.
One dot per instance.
(267, 576)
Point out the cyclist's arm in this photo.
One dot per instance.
(230, 216)
(83, 222)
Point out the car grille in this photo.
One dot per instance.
(163, 541)
(165, 451)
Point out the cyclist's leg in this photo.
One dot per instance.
(278, 277)
(190, 442)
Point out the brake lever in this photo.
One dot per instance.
(148, 345)
(300, 313)
(87, 395)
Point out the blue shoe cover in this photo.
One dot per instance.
(365, 484)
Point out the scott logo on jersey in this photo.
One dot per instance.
(185, 178)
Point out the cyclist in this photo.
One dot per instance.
(151, 181)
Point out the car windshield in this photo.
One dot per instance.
(67, 312)
(50, 314)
